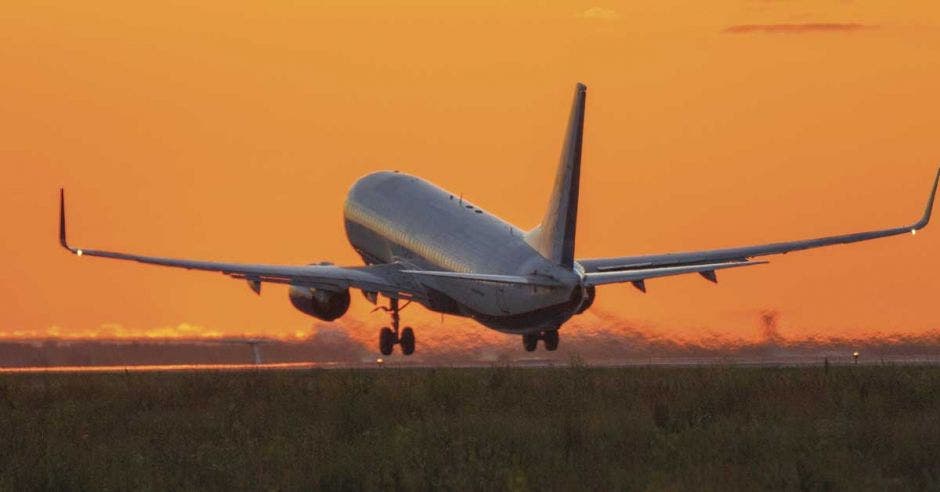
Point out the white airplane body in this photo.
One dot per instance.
(421, 243)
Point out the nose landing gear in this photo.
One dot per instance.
(388, 337)
(531, 340)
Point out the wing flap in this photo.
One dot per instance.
(640, 275)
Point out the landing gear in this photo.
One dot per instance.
(407, 341)
(386, 340)
(531, 340)
(551, 340)
(388, 337)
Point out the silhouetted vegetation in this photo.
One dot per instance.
(870, 427)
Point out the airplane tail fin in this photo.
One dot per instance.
(554, 236)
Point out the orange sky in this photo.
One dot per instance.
(232, 131)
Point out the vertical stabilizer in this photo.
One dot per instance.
(554, 237)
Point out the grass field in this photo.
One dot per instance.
(576, 427)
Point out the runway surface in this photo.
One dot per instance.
(380, 363)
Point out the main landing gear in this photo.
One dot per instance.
(531, 341)
(388, 337)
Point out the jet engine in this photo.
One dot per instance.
(323, 304)
(588, 299)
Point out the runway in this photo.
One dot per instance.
(380, 363)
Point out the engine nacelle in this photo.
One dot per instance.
(322, 304)
(589, 293)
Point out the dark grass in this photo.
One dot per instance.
(717, 427)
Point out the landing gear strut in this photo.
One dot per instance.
(531, 340)
(388, 337)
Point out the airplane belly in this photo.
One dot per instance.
(513, 308)
(522, 311)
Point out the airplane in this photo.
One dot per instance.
(421, 243)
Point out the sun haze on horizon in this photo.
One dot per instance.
(232, 131)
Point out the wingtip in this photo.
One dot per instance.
(927, 211)
(63, 241)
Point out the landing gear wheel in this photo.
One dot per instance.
(551, 340)
(388, 337)
(386, 341)
(530, 342)
(407, 341)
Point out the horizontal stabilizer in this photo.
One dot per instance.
(634, 276)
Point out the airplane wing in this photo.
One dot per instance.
(737, 256)
(386, 279)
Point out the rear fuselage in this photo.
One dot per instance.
(393, 217)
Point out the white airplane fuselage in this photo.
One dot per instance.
(393, 217)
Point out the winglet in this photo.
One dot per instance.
(62, 239)
(933, 193)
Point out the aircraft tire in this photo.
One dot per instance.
(530, 342)
(407, 341)
(551, 340)
(386, 341)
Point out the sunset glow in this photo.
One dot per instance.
(232, 131)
